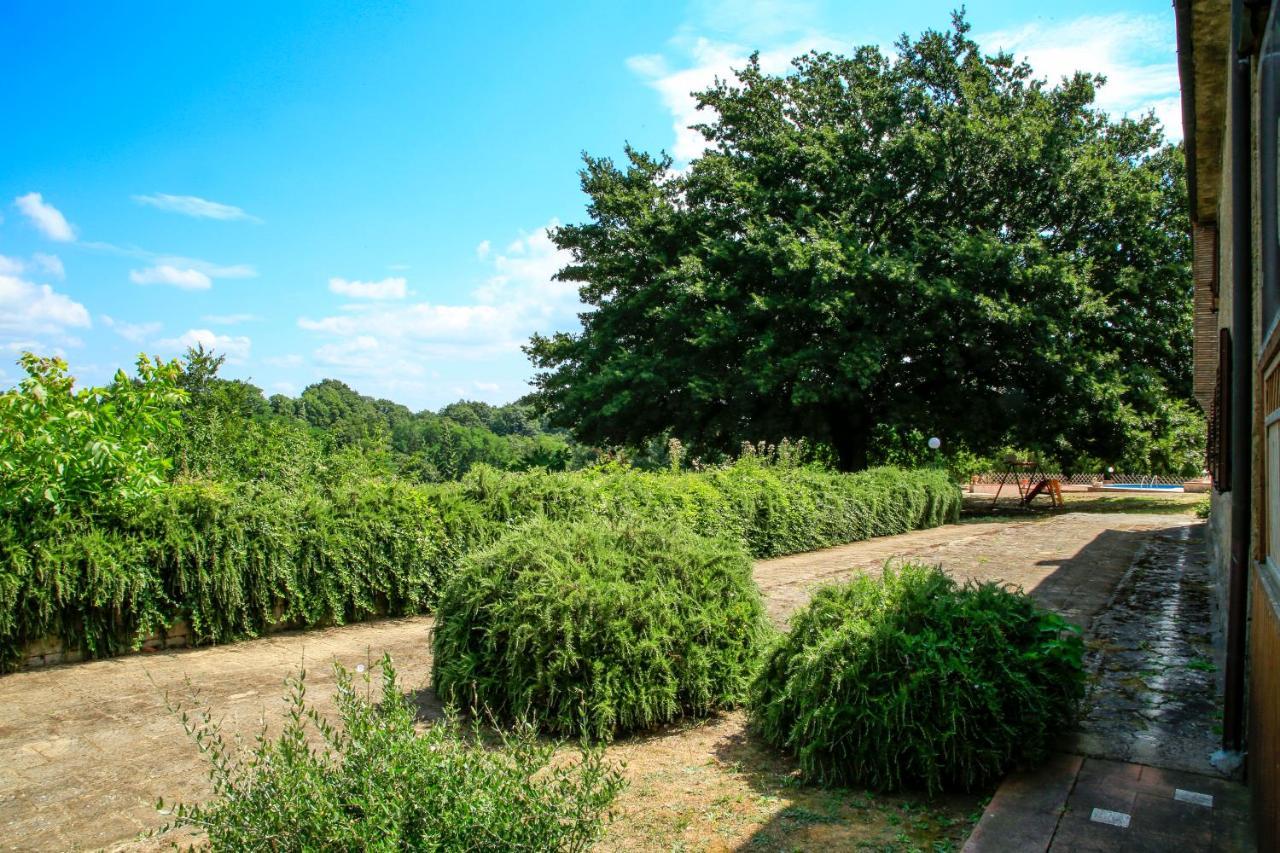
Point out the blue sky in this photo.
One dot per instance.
(361, 191)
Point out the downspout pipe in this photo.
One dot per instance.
(1187, 77)
(1243, 368)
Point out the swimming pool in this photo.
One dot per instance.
(1141, 487)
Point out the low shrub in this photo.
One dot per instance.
(374, 783)
(595, 628)
(911, 680)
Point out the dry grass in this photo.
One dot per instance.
(713, 786)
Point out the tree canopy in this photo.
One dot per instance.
(934, 241)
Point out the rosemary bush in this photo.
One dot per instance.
(773, 509)
(374, 783)
(912, 680)
(235, 558)
(595, 628)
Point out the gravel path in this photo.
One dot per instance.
(86, 749)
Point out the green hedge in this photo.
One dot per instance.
(234, 559)
(773, 510)
(912, 680)
(594, 628)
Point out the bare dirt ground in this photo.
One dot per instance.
(86, 749)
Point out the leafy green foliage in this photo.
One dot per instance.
(594, 628)
(374, 783)
(929, 240)
(87, 452)
(772, 508)
(231, 561)
(911, 680)
(234, 559)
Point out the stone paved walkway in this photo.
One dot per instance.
(86, 749)
(1137, 775)
(1155, 697)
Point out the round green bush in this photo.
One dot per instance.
(911, 680)
(594, 628)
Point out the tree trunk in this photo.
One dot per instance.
(849, 436)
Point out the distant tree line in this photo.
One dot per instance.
(229, 427)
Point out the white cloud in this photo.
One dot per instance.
(491, 387)
(284, 387)
(29, 309)
(184, 279)
(230, 319)
(482, 250)
(1136, 53)
(51, 264)
(235, 348)
(11, 266)
(388, 288)
(392, 347)
(212, 270)
(136, 332)
(702, 60)
(290, 360)
(190, 205)
(47, 219)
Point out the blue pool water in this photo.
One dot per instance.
(1142, 487)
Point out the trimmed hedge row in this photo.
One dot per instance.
(773, 510)
(235, 559)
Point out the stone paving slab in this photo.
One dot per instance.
(86, 749)
(1091, 804)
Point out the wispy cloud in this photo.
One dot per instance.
(235, 348)
(388, 288)
(290, 360)
(136, 332)
(190, 205)
(51, 264)
(230, 319)
(183, 279)
(392, 347)
(47, 219)
(210, 269)
(719, 41)
(1136, 53)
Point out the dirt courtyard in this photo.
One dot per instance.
(86, 749)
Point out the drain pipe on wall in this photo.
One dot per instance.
(1243, 364)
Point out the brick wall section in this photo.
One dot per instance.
(1205, 325)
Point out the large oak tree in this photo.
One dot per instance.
(934, 240)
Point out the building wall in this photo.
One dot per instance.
(1264, 706)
